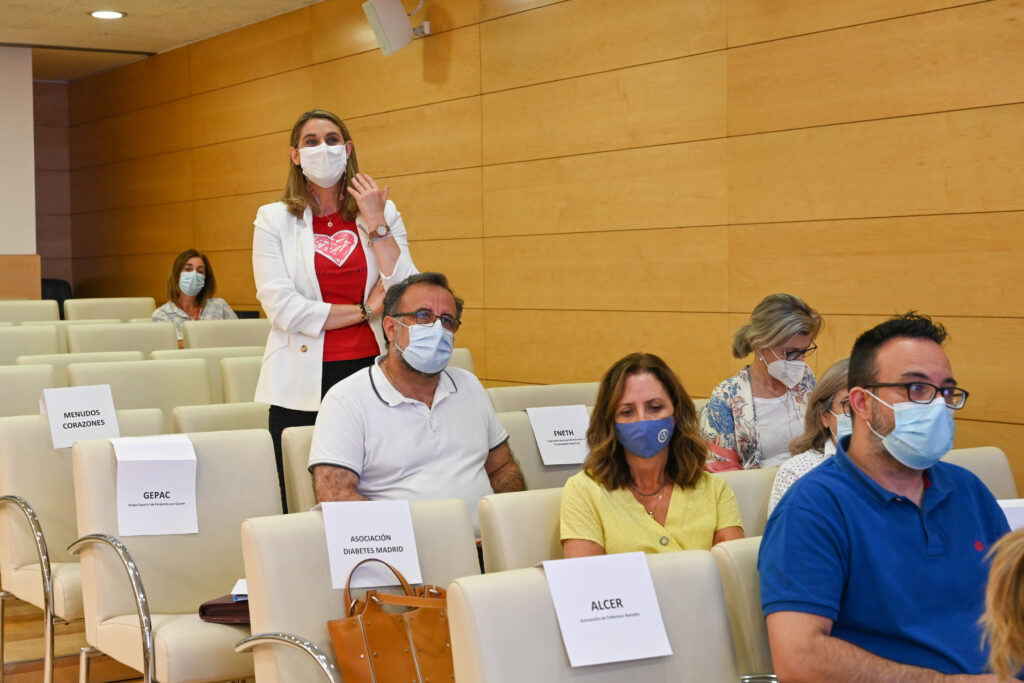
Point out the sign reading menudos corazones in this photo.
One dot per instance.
(607, 609)
(360, 529)
(561, 433)
(156, 485)
(77, 413)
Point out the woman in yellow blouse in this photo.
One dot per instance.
(643, 486)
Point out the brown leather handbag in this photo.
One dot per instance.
(377, 645)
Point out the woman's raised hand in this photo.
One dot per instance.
(370, 198)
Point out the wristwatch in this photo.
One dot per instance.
(381, 230)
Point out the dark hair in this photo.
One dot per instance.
(393, 297)
(173, 288)
(910, 325)
(296, 192)
(606, 463)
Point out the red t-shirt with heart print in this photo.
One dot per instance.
(341, 270)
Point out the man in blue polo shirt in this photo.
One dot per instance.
(873, 565)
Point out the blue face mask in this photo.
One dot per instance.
(429, 348)
(844, 425)
(645, 438)
(922, 435)
(191, 282)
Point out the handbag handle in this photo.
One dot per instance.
(348, 593)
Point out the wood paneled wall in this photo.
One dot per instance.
(53, 179)
(599, 177)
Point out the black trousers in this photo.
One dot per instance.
(281, 418)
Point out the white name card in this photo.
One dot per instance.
(1014, 511)
(78, 413)
(607, 609)
(561, 433)
(156, 485)
(360, 529)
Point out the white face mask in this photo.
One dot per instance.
(324, 164)
(789, 372)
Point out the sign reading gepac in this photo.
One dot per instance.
(561, 433)
(78, 413)
(607, 608)
(156, 485)
(360, 529)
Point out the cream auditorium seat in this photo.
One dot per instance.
(239, 377)
(520, 529)
(505, 622)
(123, 308)
(242, 332)
(163, 384)
(150, 622)
(699, 404)
(5, 323)
(989, 464)
(216, 417)
(60, 361)
(19, 340)
(524, 448)
(62, 328)
(737, 565)
(463, 359)
(22, 388)
(141, 320)
(290, 582)
(506, 399)
(38, 517)
(298, 482)
(752, 488)
(24, 310)
(121, 337)
(213, 355)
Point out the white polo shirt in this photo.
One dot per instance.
(400, 448)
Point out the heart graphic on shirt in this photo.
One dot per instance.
(337, 247)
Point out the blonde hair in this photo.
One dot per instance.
(777, 318)
(296, 189)
(815, 433)
(1003, 620)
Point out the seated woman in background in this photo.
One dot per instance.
(1003, 619)
(826, 422)
(752, 417)
(190, 288)
(643, 486)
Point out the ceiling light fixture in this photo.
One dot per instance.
(107, 14)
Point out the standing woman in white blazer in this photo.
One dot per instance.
(322, 258)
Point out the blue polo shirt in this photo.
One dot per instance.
(903, 582)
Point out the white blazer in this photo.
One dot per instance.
(287, 288)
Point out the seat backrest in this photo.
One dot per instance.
(699, 403)
(737, 565)
(19, 340)
(62, 328)
(463, 359)
(298, 482)
(506, 622)
(213, 355)
(236, 478)
(989, 464)
(32, 468)
(22, 387)
(123, 308)
(239, 377)
(23, 310)
(524, 448)
(163, 384)
(506, 399)
(216, 417)
(753, 489)
(520, 529)
(60, 361)
(241, 332)
(121, 337)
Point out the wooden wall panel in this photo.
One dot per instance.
(53, 235)
(19, 276)
(145, 132)
(269, 47)
(939, 61)
(145, 275)
(665, 102)
(439, 67)
(655, 187)
(141, 84)
(471, 335)
(258, 164)
(460, 260)
(885, 264)
(438, 205)
(1009, 437)
(53, 192)
(650, 270)
(226, 223)
(575, 38)
(340, 28)
(235, 283)
(492, 9)
(140, 182)
(51, 148)
(957, 162)
(266, 105)
(50, 104)
(156, 228)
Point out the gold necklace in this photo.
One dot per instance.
(649, 511)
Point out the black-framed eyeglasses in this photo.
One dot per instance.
(425, 316)
(800, 354)
(923, 392)
(844, 408)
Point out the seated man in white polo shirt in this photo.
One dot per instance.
(409, 427)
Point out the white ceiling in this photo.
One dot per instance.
(68, 43)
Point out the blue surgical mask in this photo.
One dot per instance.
(844, 425)
(429, 348)
(191, 282)
(645, 438)
(923, 432)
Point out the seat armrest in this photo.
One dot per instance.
(327, 667)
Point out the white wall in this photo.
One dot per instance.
(17, 150)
